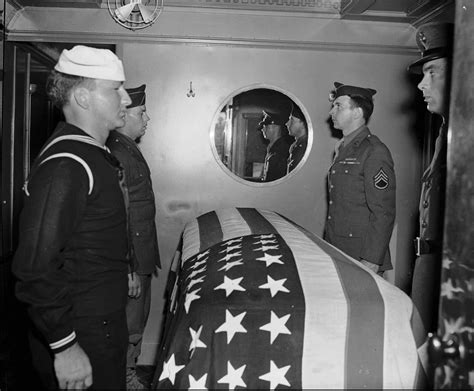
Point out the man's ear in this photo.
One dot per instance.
(358, 113)
(82, 97)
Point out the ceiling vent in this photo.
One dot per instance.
(135, 14)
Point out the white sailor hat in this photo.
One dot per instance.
(91, 62)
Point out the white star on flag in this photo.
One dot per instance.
(266, 248)
(196, 272)
(269, 259)
(194, 282)
(233, 377)
(276, 376)
(230, 285)
(170, 369)
(199, 263)
(276, 326)
(190, 297)
(448, 290)
(263, 241)
(232, 325)
(231, 248)
(447, 263)
(204, 254)
(197, 384)
(230, 256)
(232, 241)
(230, 265)
(195, 341)
(275, 286)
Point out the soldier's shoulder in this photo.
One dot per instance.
(375, 142)
(114, 143)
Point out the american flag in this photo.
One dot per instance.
(261, 303)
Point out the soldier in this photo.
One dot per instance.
(276, 158)
(298, 128)
(123, 144)
(435, 43)
(361, 182)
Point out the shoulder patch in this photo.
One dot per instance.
(381, 180)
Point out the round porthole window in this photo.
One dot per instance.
(260, 135)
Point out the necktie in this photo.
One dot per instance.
(337, 148)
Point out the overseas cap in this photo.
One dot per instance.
(435, 40)
(342, 89)
(297, 113)
(137, 95)
(90, 62)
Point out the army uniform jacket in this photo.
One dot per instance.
(297, 150)
(276, 160)
(427, 270)
(433, 194)
(361, 210)
(71, 259)
(141, 202)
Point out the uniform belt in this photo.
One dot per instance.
(425, 246)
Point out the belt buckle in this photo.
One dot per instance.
(418, 246)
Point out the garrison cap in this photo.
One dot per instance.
(297, 113)
(435, 40)
(90, 62)
(137, 95)
(342, 89)
(270, 118)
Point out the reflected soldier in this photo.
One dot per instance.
(298, 128)
(278, 148)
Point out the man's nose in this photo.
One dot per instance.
(125, 97)
(422, 84)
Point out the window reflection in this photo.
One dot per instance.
(251, 138)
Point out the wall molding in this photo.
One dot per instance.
(82, 37)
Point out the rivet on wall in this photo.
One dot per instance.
(191, 93)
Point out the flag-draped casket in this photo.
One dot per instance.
(259, 302)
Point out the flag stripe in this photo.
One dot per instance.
(210, 231)
(365, 328)
(419, 333)
(365, 324)
(257, 223)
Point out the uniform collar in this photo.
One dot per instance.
(357, 135)
(122, 137)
